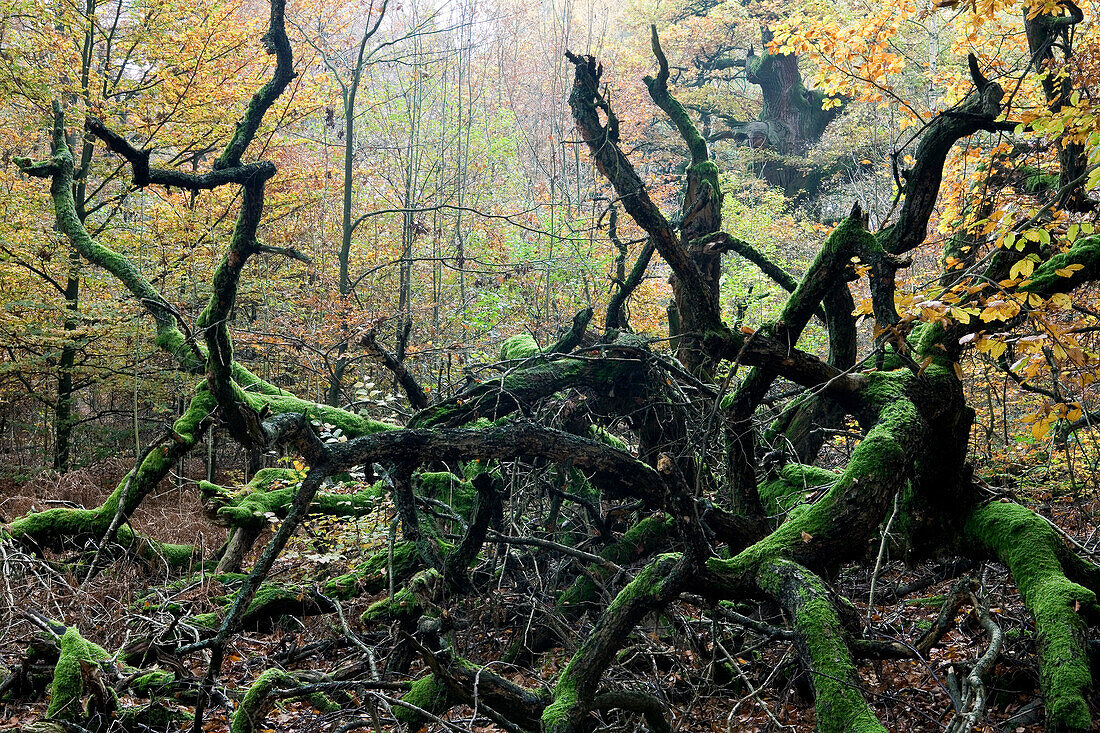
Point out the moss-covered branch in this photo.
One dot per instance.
(257, 702)
(270, 493)
(653, 588)
(53, 527)
(1024, 542)
(275, 42)
(1079, 265)
(840, 706)
(641, 540)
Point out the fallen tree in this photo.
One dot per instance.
(660, 456)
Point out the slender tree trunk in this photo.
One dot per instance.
(63, 407)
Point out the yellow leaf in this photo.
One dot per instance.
(993, 347)
(1040, 429)
(1022, 268)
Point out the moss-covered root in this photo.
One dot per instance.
(257, 702)
(427, 695)
(78, 690)
(839, 705)
(1024, 542)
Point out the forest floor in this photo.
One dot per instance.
(672, 655)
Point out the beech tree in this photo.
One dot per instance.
(728, 49)
(667, 458)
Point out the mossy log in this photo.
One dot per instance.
(86, 682)
(270, 493)
(428, 694)
(419, 595)
(572, 698)
(273, 600)
(480, 687)
(77, 691)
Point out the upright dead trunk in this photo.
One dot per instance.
(701, 215)
(63, 407)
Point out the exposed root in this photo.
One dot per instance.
(974, 693)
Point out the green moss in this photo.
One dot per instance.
(564, 703)
(1028, 546)
(885, 387)
(927, 340)
(839, 705)
(648, 582)
(149, 684)
(176, 557)
(67, 687)
(641, 540)
(154, 716)
(351, 424)
(707, 172)
(426, 693)
(270, 601)
(448, 488)
(187, 426)
(371, 576)
(785, 492)
(258, 700)
(1084, 252)
(406, 602)
(206, 621)
(520, 346)
(264, 496)
(879, 458)
(403, 605)
(705, 168)
(607, 438)
(54, 525)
